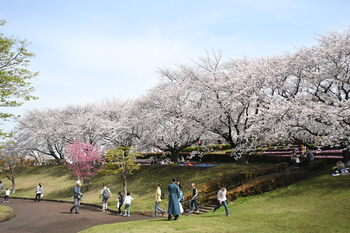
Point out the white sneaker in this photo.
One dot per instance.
(125, 215)
(128, 215)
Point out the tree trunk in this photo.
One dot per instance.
(346, 154)
(124, 185)
(13, 182)
(175, 156)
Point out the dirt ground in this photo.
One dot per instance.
(44, 217)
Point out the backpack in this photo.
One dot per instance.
(106, 194)
(162, 195)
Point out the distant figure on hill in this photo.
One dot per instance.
(339, 169)
(340, 164)
(1, 187)
(159, 198)
(38, 193)
(105, 195)
(222, 200)
(194, 200)
(181, 197)
(77, 197)
(173, 204)
(310, 157)
(7, 195)
(127, 204)
(120, 202)
(295, 158)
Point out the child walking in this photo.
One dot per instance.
(127, 204)
(7, 195)
(120, 202)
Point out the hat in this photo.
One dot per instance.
(78, 182)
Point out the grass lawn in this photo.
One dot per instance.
(58, 182)
(318, 204)
(5, 212)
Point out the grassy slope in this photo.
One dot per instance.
(5, 212)
(318, 204)
(58, 183)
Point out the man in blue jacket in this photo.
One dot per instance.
(77, 197)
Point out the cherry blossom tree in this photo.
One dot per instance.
(84, 161)
(164, 115)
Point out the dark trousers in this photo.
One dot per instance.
(170, 216)
(7, 198)
(120, 208)
(194, 205)
(37, 197)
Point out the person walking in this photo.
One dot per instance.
(77, 197)
(7, 195)
(38, 193)
(1, 187)
(120, 202)
(194, 200)
(158, 200)
(127, 204)
(173, 204)
(105, 195)
(181, 198)
(222, 200)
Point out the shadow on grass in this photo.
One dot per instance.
(25, 190)
(63, 193)
(322, 183)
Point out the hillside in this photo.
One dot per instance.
(58, 182)
(318, 204)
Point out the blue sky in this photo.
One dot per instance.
(93, 50)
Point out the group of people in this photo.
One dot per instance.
(301, 159)
(105, 194)
(175, 203)
(341, 169)
(176, 199)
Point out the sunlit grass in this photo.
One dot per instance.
(5, 212)
(58, 183)
(318, 204)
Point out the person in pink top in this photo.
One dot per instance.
(222, 200)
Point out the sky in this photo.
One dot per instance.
(93, 50)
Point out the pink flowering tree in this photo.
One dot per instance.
(84, 160)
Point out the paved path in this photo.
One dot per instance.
(52, 217)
